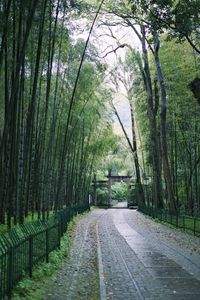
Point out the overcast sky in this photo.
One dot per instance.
(101, 38)
(106, 44)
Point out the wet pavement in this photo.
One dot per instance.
(128, 256)
(120, 204)
(139, 264)
(78, 279)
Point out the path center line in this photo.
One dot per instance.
(102, 285)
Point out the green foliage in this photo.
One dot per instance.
(183, 118)
(35, 288)
(133, 196)
(102, 195)
(55, 133)
(119, 191)
(117, 159)
(179, 18)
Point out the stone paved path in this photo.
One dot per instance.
(79, 280)
(140, 263)
(138, 259)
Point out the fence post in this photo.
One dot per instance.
(61, 220)
(59, 224)
(30, 255)
(47, 245)
(10, 272)
(177, 219)
(194, 226)
(59, 234)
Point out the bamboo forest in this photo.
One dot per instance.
(97, 88)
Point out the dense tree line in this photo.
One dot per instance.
(182, 125)
(51, 134)
(53, 121)
(169, 130)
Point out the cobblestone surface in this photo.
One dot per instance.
(140, 259)
(78, 280)
(140, 262)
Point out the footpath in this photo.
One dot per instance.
(120, 254)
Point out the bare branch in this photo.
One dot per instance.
(122, 126)
(114, 50)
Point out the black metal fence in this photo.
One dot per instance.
(23, 247)
(173, 217)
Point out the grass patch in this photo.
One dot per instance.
(32, 217)
(35, 288)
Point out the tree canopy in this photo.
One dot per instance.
(56, 121)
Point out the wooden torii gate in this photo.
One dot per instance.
(108, 184)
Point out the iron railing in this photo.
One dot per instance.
(23, 247)
(172, 217)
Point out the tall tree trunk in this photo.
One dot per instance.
(163, 135)
(7, 5)
(152, 113)
(136, 161)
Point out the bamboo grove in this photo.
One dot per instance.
(182, 127)
(54, 120)
(48, 145)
